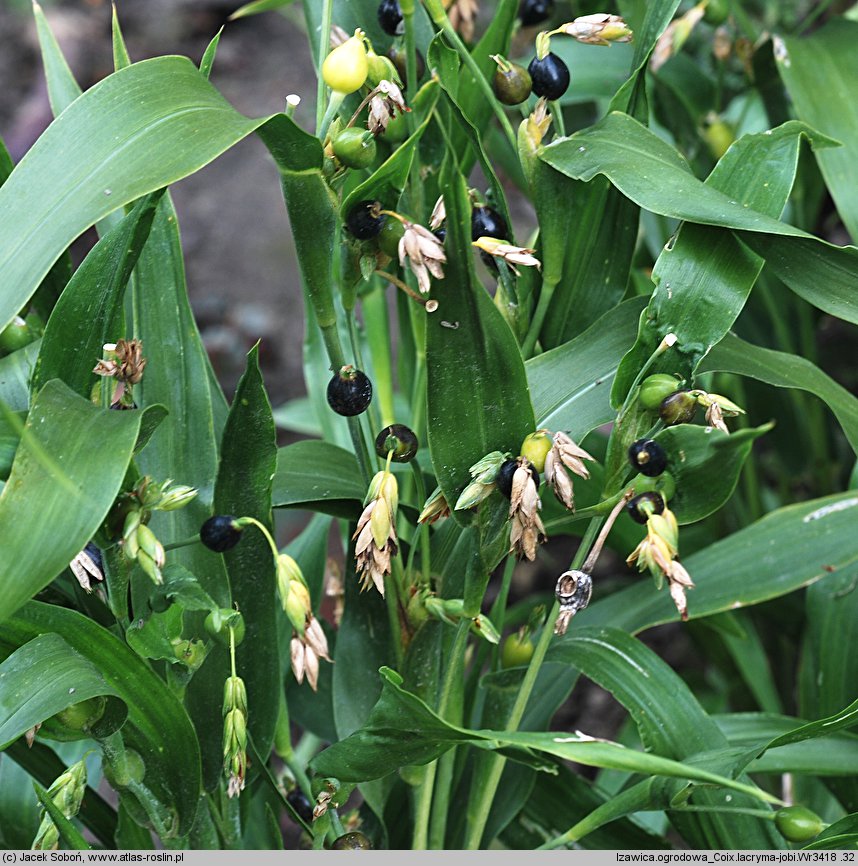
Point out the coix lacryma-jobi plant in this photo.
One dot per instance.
(596, 372)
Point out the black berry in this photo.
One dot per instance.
(298, 800)
(641, 507)
(486, 222)
(364, 221)
(535, 11)
(390, 18)
(677, 408)
(219, 534)
(349, 391)
(648, 457)
(399, 439)
(507, 471)
(550, 76)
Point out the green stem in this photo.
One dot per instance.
(545, 295)
(439, 17)
(335, 354)
(480, 803)
(444, 778)
(185, 542)
(557, 117)
(423, 808)
(393, 585)
(498, 616)
(324, 45)
(354, 340)
(421, 529)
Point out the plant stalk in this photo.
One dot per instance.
(483, 790)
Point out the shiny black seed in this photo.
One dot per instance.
(640, 507)
(648, 457)
(441, 234)
(399, 439)
(298, 800)
(361, 222)
(390, 17)
(535, 11)
(506, 472)
(549, 76)
(349, 392)
(218, 533)
(486, 222)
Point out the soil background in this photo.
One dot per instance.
(241, 269)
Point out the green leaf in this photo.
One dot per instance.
(475, 372)
(183, 587)
(704, 275)
(153, 639)
(571, 385)
(706, 464)
(42, 678)
(63, 90)
(184, 446)
(248, 459)
(136, 131)
(825, 62)
(788, 549)
(19, 812)
(89, 312)
(669, 719)
(67, 472)
(733, 355)
(320, 477)
(830, 755)
(16, 371)
(652, 174)
(258, 6)
(157, 727)
(841, 834)
(375, 749)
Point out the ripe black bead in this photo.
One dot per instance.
(441, 234)
(549, 76)
(218, 533)
(390, 17)
(640, 507)
(349, 391)
(486, 222)
(535, 11)
(298, 800)
(506, 473)
(399, 439)
(361, 221)
(648, 457)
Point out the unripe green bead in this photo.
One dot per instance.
(798, 824)
(655, 388)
